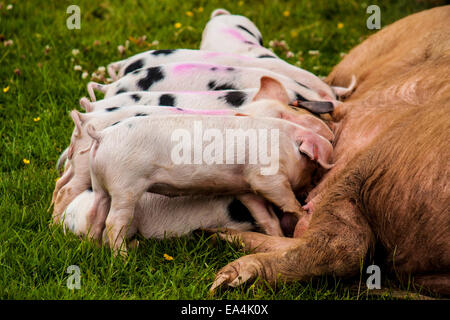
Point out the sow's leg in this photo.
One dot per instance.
(335, 243)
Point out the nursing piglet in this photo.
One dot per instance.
(155, 58)
(184, 155)
(218, 99)
(195, 76)
(160, 217)
(235, 34)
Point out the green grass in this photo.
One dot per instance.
(33, 256)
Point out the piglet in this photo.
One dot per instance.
(197, 100)
(139, 155)
(235, 34)
(155, 58)
(161, 217)
(195, 76)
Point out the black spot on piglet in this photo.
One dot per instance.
(141, 114)
(136, 97)
(298, 96)
(235, 98)
(115, 123)
(212, 85)
(246, 30)
(266, 56)
(154, 74)
(164, 52)
(111, 109)
(134, 66)
(167, 100)
(238, 212)
(301, 84)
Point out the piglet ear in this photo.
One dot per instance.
(271, 89)
(316, 148)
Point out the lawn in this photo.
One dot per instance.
(39, 86)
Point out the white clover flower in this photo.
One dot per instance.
(289, 54)
(314, 52)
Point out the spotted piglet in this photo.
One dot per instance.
(195, 76)
(154, 58)
(236, 34)
(218, 99)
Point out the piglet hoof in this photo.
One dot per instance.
(120, 253)
(133, 244)
(55, 220)
(236, 273)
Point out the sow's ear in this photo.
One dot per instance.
(316, 148)
(272, 89)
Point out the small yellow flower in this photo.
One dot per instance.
(200, 9)
(6, 89)
(240, 3)
(294, 33)
(36, 119)
(189, 13)
(286, 13)
(177, 25)
(26, 161)
(340, 25)
(167, 257)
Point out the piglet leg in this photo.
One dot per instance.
(277, 190)
(264, 218)
(120, 218)
(62, 182)
(67, 193)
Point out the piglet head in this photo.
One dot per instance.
(272, 89)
